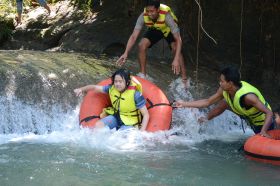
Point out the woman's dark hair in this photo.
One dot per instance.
(232, 74)
(125, 74)
(277, 110)
(155, 3)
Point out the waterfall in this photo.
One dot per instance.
(37, 97)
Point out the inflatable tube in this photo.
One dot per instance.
(264, 149)
(157, 103)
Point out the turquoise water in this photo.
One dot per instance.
(208, 163)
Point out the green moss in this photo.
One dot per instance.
(7, 7)
(86, 4)
(7, 28)
(50, 77)
(47, 62)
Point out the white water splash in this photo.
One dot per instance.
(58, 126)
(19, 117)
(226, 127)
(11, 86)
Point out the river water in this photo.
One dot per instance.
(46, 146)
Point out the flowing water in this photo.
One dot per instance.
(41, 142)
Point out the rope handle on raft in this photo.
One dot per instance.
(148, 100)
(160, 104)
(89, 118)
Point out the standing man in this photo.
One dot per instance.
(241, 98)
(161, 23)
(20, 7)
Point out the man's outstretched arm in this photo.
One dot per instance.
(129, 45)
(132, 39)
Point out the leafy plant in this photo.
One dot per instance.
(86, 4)
(6, 30)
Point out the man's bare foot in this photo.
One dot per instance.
(141, 75)
(202, 119)
(47, 8)
(18, 21)
(185, 82)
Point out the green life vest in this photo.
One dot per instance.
(124, 105)
(252, 115)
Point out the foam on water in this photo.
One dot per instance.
(56, 126)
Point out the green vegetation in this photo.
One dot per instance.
(7, 7)
(86, 4)
(7, 27)
(6, 21)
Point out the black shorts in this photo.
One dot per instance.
(154, 35)
(257, 129)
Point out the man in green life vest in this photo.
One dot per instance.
(161, 23)
(241, 98)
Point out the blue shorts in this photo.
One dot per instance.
(20, 4)
(112, 122)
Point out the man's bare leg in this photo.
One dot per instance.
(99, 124)
(18, 19)
(142, 49)
(19, 11)
(183, 67)
(47, 8)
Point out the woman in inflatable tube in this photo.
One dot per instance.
(128, 104)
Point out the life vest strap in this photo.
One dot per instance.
(128, 113)
(256, 115)
(131, 88)
(163, 12)
(160, 22)
(260, 121)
